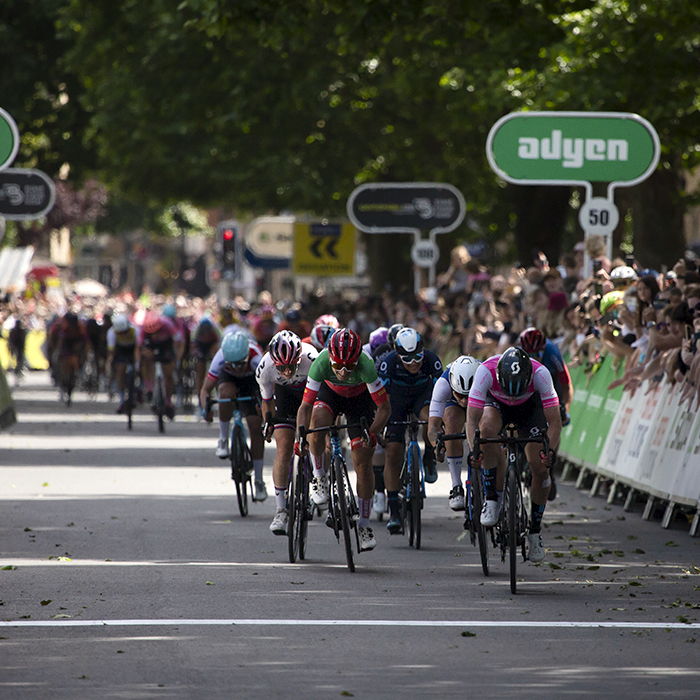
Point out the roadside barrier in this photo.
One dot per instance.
(7, 407)
(648, 443)
(33, 351)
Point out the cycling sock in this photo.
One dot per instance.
(317, 461)
(280, 498)
(393, 499)
(224, 429)
(455, 465)
(365, 505)
(489, 476)
(536, 514)
(378, 477)
(258, 469)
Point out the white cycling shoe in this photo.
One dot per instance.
(319, 490)
(489, 513)
(367, 540)
(279, 523)
(536, 548)
(222, 449)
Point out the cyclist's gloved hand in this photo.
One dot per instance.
(267, 430)
(440, 449)
(475, 460)
(372, 441)
(298, 447)
(548, 458)
(565, 418)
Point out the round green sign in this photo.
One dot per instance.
(9, 139)
(554, 148)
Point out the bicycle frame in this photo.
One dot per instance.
(513, 523)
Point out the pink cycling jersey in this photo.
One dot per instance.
(485, 381)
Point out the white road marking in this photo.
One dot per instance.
(350, 623)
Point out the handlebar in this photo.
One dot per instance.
(508, 439)
(333, 428)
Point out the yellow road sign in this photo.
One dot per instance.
(324, 250)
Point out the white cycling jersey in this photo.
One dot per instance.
(268, 375)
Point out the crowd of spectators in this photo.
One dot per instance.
(616, 308)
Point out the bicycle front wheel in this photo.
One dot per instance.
(298, 508)
(416, 497)
(513, 526)
(239, 468)
(341, 485)
(160, 404)
(477, 502)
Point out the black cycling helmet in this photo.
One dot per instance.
(392, 333)
(514, 372)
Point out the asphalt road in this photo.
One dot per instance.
(126, 572)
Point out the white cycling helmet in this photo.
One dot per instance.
(120, 323)
(623, 273)
(462, 372)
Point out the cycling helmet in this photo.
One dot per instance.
(514, 372)
(532, 340)
(285, 349)
(170, 311)
(327, 320)
(120, 323)
(610, 301)
(234, 347)
(392, 332)
(320, 335)
(377, 337)
(623, 275)
(408, 344)
(152, 322)
(345, 347)
(462, 372)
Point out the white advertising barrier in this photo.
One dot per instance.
(654, 445)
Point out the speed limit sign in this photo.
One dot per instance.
(598, 215)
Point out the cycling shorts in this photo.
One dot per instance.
(287, 402)
(245, 386)
(400, 403)
(123, 354)
(162, 352)
(353, 407)
(528, 417)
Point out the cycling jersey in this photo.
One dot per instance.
(268, 375)
(554, 362)
(442, 395)
(485, 383)
(167, 332)
(398, 379)
(120, 341)
(363, 377)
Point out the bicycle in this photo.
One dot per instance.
(343, 511)
(412, 481)
(130, 399)
(158, 402)
(473, 501)
(186, 383)
(300, 507)
(512, 527)
(241, 459)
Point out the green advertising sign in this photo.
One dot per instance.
(554, 148)
(9, 139)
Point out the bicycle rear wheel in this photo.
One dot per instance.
(477, 502)
(129, 396)
(159, 404)
(513, 526)
(341, 485)
(240, 468)
(416, 497)
(298, 508)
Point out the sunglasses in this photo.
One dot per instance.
(339, 367)
(286, 368)
(237, 365)
(411, 358)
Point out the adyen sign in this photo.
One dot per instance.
(551, 148)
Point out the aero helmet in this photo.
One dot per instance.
(408, 344)
(514, 372)
(285, 349)
(234, 347)
(320, 335)
(378, 337)
(152, 322)
(391, 334)
(462, 372)
(345, 347)
(327, 320)
(120, 323)
(532, 340)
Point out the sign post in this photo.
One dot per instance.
(409, 207)
(576, 148)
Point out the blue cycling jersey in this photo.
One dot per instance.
(397, 378)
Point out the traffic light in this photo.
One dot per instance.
(227, 240)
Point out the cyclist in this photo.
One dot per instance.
(382, 351)
(539, 348)
(319, 336)
(281, 375)
(264, 325)
(97, 332)
(448, 407)
(409, 373)
(232, 373)
(72, 343)
(328, 320)
(512, 388)
(377, 338)
(16, 343)
(342, 379)
(159, 341)
(170, 311)
(121, 348)
(205, 339)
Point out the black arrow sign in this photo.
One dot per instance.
(330, 247)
